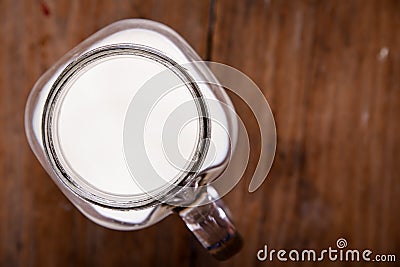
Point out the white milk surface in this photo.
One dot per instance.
(91, 122)
(91, 118)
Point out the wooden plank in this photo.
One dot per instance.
(38, 226)
(330, 70)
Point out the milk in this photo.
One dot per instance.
(89, 126)
(92, 117)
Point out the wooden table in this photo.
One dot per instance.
(331, 73)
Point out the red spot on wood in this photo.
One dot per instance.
(45, 8)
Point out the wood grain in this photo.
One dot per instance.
(331, 73)
(335, 95)
(38, 225)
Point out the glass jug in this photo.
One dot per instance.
(87, 124)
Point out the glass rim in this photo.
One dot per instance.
(95, 195)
